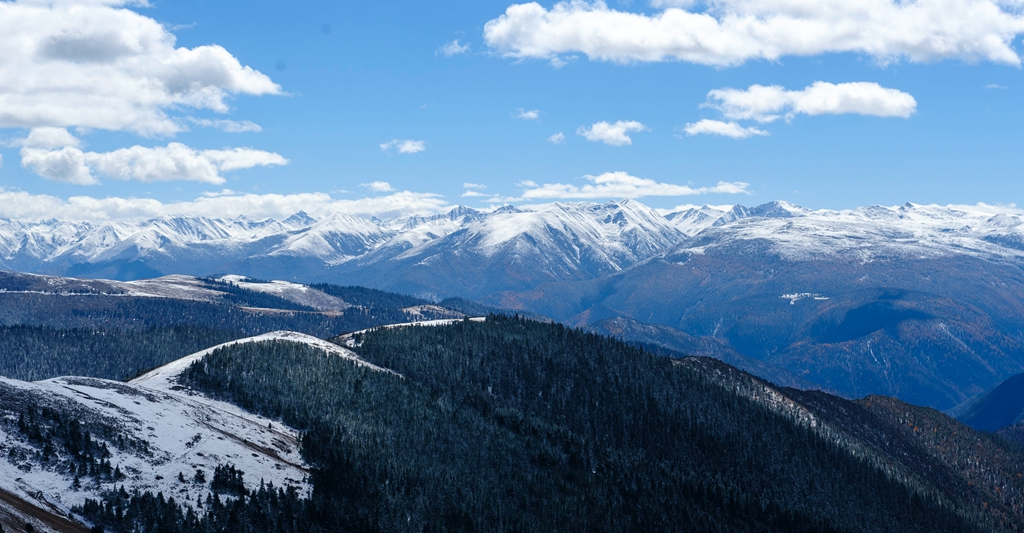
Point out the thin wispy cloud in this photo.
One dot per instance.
(474, 190)
(407, 146)
(227, 126)
(453, 49)
(532, 114)
(996, 86)
(613, 134)
(724, 129)
(558, 138)
(20, 205)
(622, 185)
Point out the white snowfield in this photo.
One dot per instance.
(185, 432)
(609, 236)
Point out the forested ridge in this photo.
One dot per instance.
(46, 335)
(513, 425)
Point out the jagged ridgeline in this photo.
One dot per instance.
(514, 425)
(90, 329)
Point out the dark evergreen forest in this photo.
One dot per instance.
(116, 337)
(513, 425)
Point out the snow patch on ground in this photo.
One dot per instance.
(293, 292)
(796, 297)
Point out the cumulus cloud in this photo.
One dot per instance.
(378, 186)
(20, 205)
(623, 185)
(95, 64)
(725, 129)
(49, 138)
(453, 49)
(731, 32)
(524, 114)
(770, 103)
(558, 138)
(227, 126)
(55, 154)
(616, 134)
(407, 146)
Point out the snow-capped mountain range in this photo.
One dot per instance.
(527, 245)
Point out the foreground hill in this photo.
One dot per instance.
(501, 424)
(68, 440)
(475, 424)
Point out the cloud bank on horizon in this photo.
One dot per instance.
(732, 32)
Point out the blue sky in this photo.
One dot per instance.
(336, 81)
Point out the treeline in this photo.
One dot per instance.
(513, 425)
(264, 510)
(63, 444)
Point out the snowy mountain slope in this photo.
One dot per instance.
(151, 435)
(154, 430)
(868, 233)
(516, 248)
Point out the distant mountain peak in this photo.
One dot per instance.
(300, 219)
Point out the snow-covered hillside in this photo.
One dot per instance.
(159, 435)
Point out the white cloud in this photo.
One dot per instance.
(19, 205)
(532, 114)
(726, 129)
(407, 146)
(228, 126)
(55, 154)
(95, 64)
(662, 4)
(767, 104)
(453, 49)
(49, 138)
(623, 185)
(65, 165)
(378, 186)
(731, 32)
(616, 134)
(558, 138)
(996, 86)
(473, 190)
